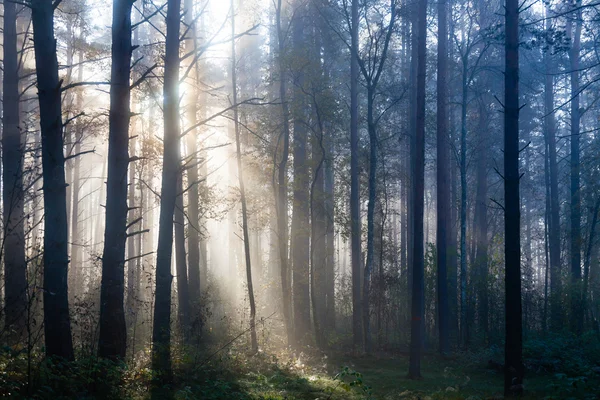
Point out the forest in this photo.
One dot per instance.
(300, 199)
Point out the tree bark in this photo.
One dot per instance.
(15, 266)
(442, 170)
(300, 205)
(161, 330)
(57, 324)
(193, 208)
(355, 228)
(513, 358)
(282, 187)
(240, 173)
(113, 331)
(418, 284)
(575, 292)
(554, 211)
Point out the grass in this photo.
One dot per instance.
(556, 370)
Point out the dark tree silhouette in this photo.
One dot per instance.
(113, 331)
(513, 358)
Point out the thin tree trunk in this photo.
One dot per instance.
(282, 187)
(161, 331)
(183, 293)
(556, 322)
(575, 292)
(15, 267)
(463, 204)
(300, 234)
(192, 170)
(113, 331)
(443, 189)
(77, 241)
(513, 358)
(418, 290)
(240, 173)
(57, 324)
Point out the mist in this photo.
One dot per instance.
(299, 199)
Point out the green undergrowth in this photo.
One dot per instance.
(556, 368)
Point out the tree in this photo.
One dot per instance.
(554, 205)
(15, 267)
(112, 341)
(372, 70)
(355, 228)
(240, 173)
(282, 187)
(57, 323)
(195, 282)
(575, 193)
(418, 282)
(443, 181)
(300, 232)
(161, 330)
(513, 358)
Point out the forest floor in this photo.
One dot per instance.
(467, 376)
(557, 368)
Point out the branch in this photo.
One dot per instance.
(80, 154)
(138, 232)
(148, 17)
(139, 256)
(135, 221)
(76, 84)
(141, 78)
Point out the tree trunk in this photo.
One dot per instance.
(113, 331)
(513, 359)
(161, 330)
(481, 228)
(282, 187)
(300, 207)
(77, 241)
(418, 284)
(442, 169)
(15, 266)
(355, 228)
(57, 324)
(183, 293)
(373, 152)
(554, 211)
(463, 203)
(240, 173)
(192, 171)
(575, 292)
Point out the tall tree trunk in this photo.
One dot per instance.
(192, 171)
(418, 285)
(329, 234)
(113, 331)
(161, 330)
(300, 234)
(318, 230)
(355, 228)
(240, 173)
(554, 211)
(443, 188)
(575, 292)
(183, 292)
(373, 152)
(282, 186)
(15, 266)
(481, 228)
(513, 358)
(57, 324)
(463, 203)
(77, 241)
